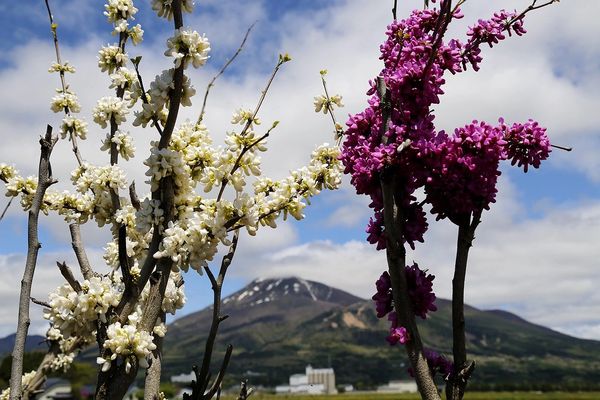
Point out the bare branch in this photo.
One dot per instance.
(68, 275)
(221, 71)
(79, 249)
(40, 303)
(45, 180)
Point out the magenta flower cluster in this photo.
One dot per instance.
(420, 292)
(458, 172)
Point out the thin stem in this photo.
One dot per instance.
(217, 284)
(336, 126)
(63, 83)
(462, 370)
(221, 71)
(6, 208)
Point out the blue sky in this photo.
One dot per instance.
(543, 230)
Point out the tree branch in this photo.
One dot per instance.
(396, 258)
(45, 180)
(462, 370)
(68, 275)
(221, 71)
(79, 249)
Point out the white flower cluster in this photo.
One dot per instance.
(7, 172)
(65, 100)
(117, 10)
(75, 314)
(99, 181)
(56, 67)
(118, 13)
(123, 78)
(75, 126)
(188, 46)
(166, 162)
(148, 215)
(25, 187)
(158, 95)
(108, 108)
(321, 103)
(111, 58)
(164, 7)
(124, 143)
(242, 117)
(25, 380)
(127, 341)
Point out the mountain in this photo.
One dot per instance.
(32, 343)
(278, 326)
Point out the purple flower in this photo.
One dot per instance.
(526, 144)
(420, 290)
(398, 335)
(383, 297)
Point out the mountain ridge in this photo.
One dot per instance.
(278, 325)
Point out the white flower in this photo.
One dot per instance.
(110, 58)
(110, 107)
(123, 142)
(56, 67)
(25, 380)
(7, 172)
(65, 100)
(76, 126)
(321, 103)
(163, 7)
(187, 45)
(242, 117)
(136, 34)
(127, 341)
(123, 78)
(119, 10)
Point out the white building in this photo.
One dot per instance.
(398, 387)
(313, 381)
(183, 378)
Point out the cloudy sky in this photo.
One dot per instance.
(536, 252)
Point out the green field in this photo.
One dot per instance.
(468, 396)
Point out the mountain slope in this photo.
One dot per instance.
(277, 326)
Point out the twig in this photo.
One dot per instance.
(68, 275)
(336, 126)
(6, 208)
(45, 180)
(79, 249)
(221, 71)
(203, 375)
(282, 60)
(40, 302)
(531, 7)
(136, 63)
(64, 86)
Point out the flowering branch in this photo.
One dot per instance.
(221, 71)
(396, 258)
(45, 180)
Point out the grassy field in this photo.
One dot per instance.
(468, 396)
